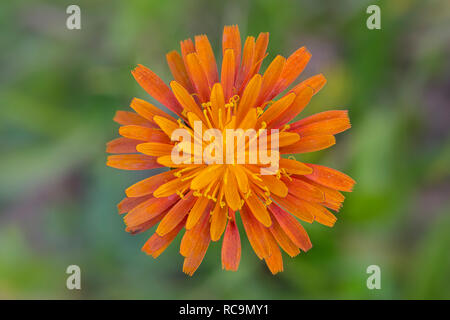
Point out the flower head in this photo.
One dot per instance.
(206, 192)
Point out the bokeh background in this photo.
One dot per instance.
(60, 88)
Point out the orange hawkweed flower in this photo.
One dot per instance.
(207, 199)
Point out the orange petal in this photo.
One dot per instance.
(247, 63)
(148, 110)
(172, 187)
(157, 244)
(148, 210)
(149, 185)
(187, 47)
(291, 227)
(315, 82)
(206, 176)
(195, 250)
(232, 40)
(303, 190)
(318, 117)
(331, 126)
(178, 69)
(186, 99)
(207, 59)
(276, 186)
(294, 166)
(277, 108)
(228, 73)
(128, 204)
(198, 77)
(176, 214)
(241, 178)
(283, 239)
(258, 209)
(217, 101)
(248, 99)
(260, 51)
(156, 88)
(143, 134)
(332, 205)
(200, 207)
(255, 233)
(122, 145)
(155, 149)
(295, 64)
(330, 178)
(300, 102)
(285, 138)
(270, 78)
(132, 162)
(166, 161)
(166, 125)
(293, 205)
(218, 221)
(190, 238)
(309, 144)
(274, 261)
(333, 198)
(231, 247)
(146, 225)
(249, 120)
(320, 214)
(230, 190)
(130, 118)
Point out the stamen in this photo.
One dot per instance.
(267, 191)
(180, 194)
(256, 177)
(197, 194)
(286, 174)
(278, 174)
(191, 176)
(220, 119)
(206, 104)
(234, 101)
(259, 111)
(285, 127)
(215, 191)
(205, 112)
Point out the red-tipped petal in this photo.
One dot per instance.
(178, 69)
(122, 145)
(231, 247)
(330, 178)
(291, 227)
(132, 162)
(156, 88)
(157, 244)
(207, 59)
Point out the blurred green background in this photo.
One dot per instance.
(60, 88)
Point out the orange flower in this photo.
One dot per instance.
(207, 199)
